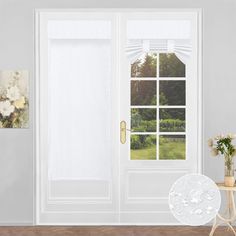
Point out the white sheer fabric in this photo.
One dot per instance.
(181, 48)
(82, 29)
(166, 36)
(79, 109)
(158, 29)
(194, 199)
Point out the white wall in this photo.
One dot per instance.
(17, 52)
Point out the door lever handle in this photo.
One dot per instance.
(129, 130)
(123, 132)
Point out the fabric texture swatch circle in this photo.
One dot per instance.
(194, 199)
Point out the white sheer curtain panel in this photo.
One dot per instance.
(79, 109)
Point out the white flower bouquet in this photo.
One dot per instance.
(14, 104)
(223, 145)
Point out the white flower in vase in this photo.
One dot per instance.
(6, 108)
(210, 142)
(214, 152)
(223, 146)
(13, 93)
(232, 136)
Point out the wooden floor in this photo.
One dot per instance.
(111, 231)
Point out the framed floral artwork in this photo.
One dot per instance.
(14, 99)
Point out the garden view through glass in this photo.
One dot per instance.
(158, 108)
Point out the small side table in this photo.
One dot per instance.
(229, 216)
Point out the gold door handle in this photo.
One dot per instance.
(123, 132)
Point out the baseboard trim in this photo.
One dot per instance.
(23, 223)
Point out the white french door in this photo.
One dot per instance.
(118, 113)
(159, 105)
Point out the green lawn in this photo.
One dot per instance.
(170, 150)
(144, 154)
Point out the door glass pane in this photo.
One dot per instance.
(143, 119)
(172, 147)
(143, 147)
(172, 93)
(143, 92)
(145, 66)
(171, 66)
(172, 120)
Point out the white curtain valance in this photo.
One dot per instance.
(181, 48)
(81, 29)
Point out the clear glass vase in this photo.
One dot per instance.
(229, 171)
(229, 166)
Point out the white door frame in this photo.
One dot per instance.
(37, 162)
